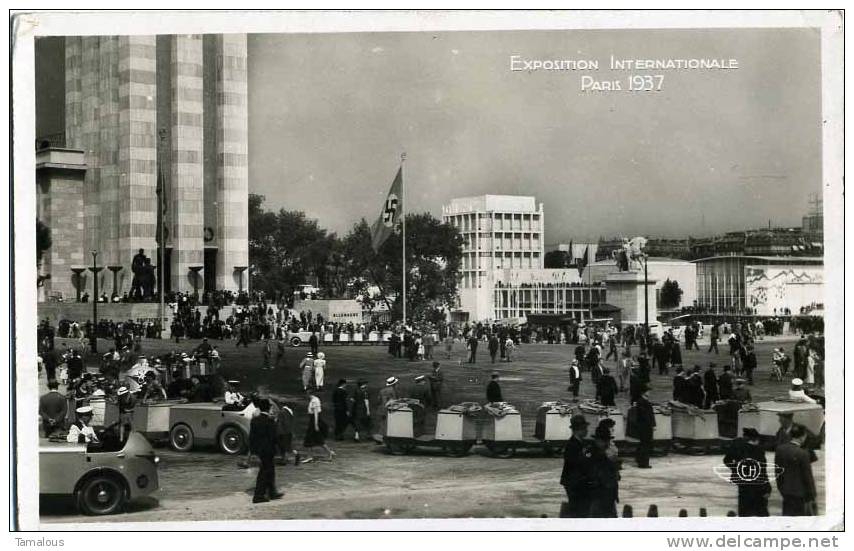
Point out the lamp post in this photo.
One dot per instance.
(646, 300)
(195, 271)
(115, 270)
(93, 343)
(78, 275)
(240, 270)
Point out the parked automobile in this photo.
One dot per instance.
(206, 423)
(101, 477)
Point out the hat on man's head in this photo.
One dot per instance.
(419, 378)
(233, 382)
(739, 380)
(309, 355)
(577, 421)
(391, 381)
(122, 391)
(797, 382)
(84, 410)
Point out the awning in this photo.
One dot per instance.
(605, 308)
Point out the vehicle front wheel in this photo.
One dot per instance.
(231, 440)
(101, 495)
(296, 341)
(181, 438)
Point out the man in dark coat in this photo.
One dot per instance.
(340, 408)
(494, 345)
(421, 391)
(575, 477)
(437, 381)
(361, 413)
(262, 443)
(493, 389)
(680, 386)
(53, 407)
(795, 482)
(75, 365)
(660, 356)
(710, 385)
(645, 428)
(636, 386)
(725, 383)
(746, 459)
(695, 392)
(606, 388)
(749, 362)
(574, 378)
(604, 475)
(472, 342)
(313, 342)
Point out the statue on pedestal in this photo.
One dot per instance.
(629, 257)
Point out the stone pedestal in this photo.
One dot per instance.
(626, 291)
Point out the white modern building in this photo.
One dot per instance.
(660, 270)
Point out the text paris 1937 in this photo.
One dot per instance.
(629, 83)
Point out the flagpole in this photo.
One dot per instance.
(161, 245)
(403, 217)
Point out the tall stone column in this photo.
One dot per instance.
(73, 96)
(90, 138)
(108, 153)
(187, 168)
(232, 167)
(137, 151)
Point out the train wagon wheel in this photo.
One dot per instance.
(458, 449)
(501, 450)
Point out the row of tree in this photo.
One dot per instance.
(287, 249)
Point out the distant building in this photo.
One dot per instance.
(98, 176)
(762, 285)
(573, 252)
(661, 269)
(656, 246)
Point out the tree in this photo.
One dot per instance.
(43, 240)
(671, 294)
(433, 258)
(557, 259)
(286, 248)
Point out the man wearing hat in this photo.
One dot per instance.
(746, 459)
(421, 391)
(741, 392)
(493, 389)
(81, 431)
(710, 386)
(797, 392)
(645, 427)
(784, 433)
(725, 382)
(306, 366)
(263, 443)
(575, 476)
(233, 398)
(574, 378)
(437, 380)
(361, 412)
(340, 408)
(606, 388)
(604, 475)
(386, 395)
(795, 482)
(127, 403)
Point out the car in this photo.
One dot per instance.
(102, 477)
(206, 423)
(298, 338)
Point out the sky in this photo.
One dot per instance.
(713, 151)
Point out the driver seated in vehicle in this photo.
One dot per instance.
(81, 431)
(152, 390)
(234, 400)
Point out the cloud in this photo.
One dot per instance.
(377, 49)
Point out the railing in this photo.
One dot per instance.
(56, 139)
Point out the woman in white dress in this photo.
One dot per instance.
(812, 359)
(319, 367)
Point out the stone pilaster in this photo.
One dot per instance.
(231, 234)
(187, 173)
(137, 151)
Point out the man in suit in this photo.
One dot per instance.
(746, 459)
(645, 429)
(796, 483)
(725, 383)
(710, 385)
(695, 393)
(263, 443)
(606, 388)
(575, 477)
(472, 347)
(574, 378)
(494, 345)
(784, 433)
(493, 389)
(53, 407)
(437, 381)
(680, 386)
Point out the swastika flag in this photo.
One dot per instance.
(390, 213)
